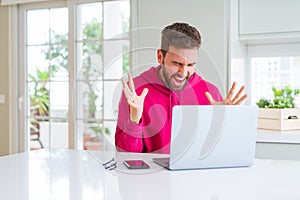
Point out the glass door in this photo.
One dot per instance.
(102, 57)
(47, 77)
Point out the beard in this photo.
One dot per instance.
(175, 82)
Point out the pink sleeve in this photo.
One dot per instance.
(128, 136)
(214, 91)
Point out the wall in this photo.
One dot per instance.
(4, 86)
(237, 51)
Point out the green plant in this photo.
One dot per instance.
(98, 130)
(282, 98)
(39, 97)
(91, 30)
(57, 57)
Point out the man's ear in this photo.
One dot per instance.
(159, 56)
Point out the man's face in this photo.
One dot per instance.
(178, 66)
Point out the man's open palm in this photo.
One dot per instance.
(135, 102)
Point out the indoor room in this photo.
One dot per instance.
(78, 123)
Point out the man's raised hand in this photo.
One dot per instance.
(135, 102)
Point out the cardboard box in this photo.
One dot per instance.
(279, 119)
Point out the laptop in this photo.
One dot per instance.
(206, 136)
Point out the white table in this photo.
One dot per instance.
(71, 174)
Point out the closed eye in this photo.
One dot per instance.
(177, 63)
(191, 65)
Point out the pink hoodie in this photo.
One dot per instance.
(153, 134)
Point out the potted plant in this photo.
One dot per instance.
(281, 112)
(94, 141)
(39, 103)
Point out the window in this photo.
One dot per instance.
(273, 65)
(71, 70)
(268, 72)
(265, 66)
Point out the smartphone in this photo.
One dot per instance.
(136, 164)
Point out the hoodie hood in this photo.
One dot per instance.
(151, 77)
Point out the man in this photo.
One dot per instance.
(145, 108)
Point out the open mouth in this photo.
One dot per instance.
(178, 81)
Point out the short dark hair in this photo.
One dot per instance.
(180, 35)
